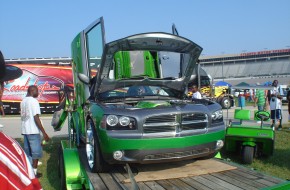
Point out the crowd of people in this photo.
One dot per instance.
(264, 100)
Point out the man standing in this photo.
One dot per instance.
(195, 93)
(260, 99)
(31, 127)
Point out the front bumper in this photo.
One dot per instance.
(160, 149)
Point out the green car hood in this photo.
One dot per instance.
(147, 42)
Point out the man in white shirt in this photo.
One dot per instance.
(195, 93)
(275, 101)
(31, 127)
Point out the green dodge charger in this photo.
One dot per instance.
(130, 105)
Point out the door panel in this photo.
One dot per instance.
(91, 46)
(94, 42)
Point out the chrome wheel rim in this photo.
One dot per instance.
(90, 146)
(226, 103)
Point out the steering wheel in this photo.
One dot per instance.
(263, 115)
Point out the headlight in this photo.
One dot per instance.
(124, 121)
(112, 120)
(220, 113)
(116, 122)
(214, 116)
(217, 115)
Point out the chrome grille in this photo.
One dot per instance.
(173, 123)
(161, 119)
(160, 124)
(172, 155)
(194, 121)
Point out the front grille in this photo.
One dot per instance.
(174, 122)
(159, 129)
(160, 124)
(194, 121)
(194, 117)
(161, 119)
(173, 155)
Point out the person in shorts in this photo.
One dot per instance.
(276, 114)
(31, 127)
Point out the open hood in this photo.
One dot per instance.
(162, 55)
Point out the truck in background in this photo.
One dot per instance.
(219, 94)
(49, 76)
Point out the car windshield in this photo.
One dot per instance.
(138, 91)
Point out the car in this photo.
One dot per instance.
(283, 89)
(130, 103)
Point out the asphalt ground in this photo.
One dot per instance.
(12, 124)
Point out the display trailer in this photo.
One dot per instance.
(130, 123)
(48, 74)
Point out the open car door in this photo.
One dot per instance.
(87, 49)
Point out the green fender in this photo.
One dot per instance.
(75, 174)
(253, 144)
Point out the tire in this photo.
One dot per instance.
(61, 170)
(226, 103)
(248, 154)
(95, 159)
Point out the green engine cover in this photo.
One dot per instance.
(154, 104)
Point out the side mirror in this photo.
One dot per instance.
(84, 78)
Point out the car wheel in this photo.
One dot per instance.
(248, 154)
(94, 157)
(226, 103)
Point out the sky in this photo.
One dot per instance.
(35, 28)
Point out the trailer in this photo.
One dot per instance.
(129, 115)
(49, 75)
(234, 177)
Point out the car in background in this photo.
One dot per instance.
(283, 89)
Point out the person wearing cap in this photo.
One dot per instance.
(16, 172)
(7, 73)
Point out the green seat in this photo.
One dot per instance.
(242, 114)
(136, 63)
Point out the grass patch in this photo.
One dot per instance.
(277, 165)
(49, 168)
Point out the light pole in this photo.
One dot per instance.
(223, 66)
